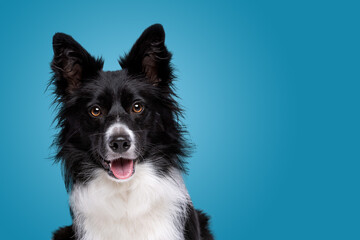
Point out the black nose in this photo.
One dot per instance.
(120, 144)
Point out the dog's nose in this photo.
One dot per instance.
(120, 144)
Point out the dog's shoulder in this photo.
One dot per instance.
(64, 233)
(197, 225)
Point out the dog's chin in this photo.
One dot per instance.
(120, 169)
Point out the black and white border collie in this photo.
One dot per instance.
(121, 144)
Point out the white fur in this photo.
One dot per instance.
(147, 207)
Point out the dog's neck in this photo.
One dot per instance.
(148, 206)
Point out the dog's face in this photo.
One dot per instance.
(114, 120)
(117, 116)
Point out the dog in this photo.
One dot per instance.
(121, 144)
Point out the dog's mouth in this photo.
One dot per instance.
(120, 168)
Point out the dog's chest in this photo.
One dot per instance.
(146, 207)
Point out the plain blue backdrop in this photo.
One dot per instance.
(271, 93)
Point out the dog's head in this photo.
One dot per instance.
(114, 120)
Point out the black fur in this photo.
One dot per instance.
(146, 76)
(64, 233)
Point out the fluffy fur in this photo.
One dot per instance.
(147, 207)
(153, 202)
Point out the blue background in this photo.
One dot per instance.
(271, 92)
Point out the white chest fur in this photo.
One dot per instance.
(145, 207)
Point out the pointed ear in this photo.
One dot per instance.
(71, 64)
(149, 56)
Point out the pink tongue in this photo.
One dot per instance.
(122, 168)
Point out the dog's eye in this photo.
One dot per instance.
(95, 111)
(137, 107)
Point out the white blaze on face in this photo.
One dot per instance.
(119, 129)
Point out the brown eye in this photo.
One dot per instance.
(95, 111)
(137, 108)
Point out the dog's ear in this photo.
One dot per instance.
(71, 64)
(149, 56)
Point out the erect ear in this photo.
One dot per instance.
(71, 64)
(149, 56)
